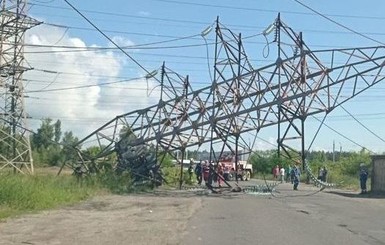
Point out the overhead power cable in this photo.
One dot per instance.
(232, 7)
(93, 49)
(172, 38)
(203, 24)
(358, 121)
(340, 134)
(339, 24)
(83, 86)
(32, 3)
(109, 39)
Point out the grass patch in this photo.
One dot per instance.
(24, 193)
(45, 190)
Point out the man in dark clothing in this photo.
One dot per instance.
(198, 172)
(295, 174)
(363, 178)
(324, 174)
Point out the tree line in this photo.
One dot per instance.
(49, 148)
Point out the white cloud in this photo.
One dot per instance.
(121, 41)
(90, 68)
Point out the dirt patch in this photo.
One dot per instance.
(112, 219)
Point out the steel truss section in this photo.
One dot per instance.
(15, 149)
(243, 100)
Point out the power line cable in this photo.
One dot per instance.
(265, 10)
(359, 122)
(339, 24)
(173, 38)
(340, 134)
(240, 26)
(208, 5)
(93, 49)
(108, 38)
(83, 86)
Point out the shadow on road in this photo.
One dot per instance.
(373, 195)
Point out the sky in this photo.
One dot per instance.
(85, 89)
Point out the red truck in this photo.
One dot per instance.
(245, 170)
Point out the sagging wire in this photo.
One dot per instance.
(149, 76)
(52, 82)
(267, 31)
(61, 38)
(267, 46)
(204, 33)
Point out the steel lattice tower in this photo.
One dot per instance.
(15, 148)
(243, 100)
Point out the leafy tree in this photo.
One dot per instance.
(57, 131)
(44, 136)
(264, 161)
(45, 143)
(68, 141)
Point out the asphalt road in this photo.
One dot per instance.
(306, 216)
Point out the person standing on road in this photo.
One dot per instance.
(276, 172)
(190, 170)
(324, 174)
(295, 174)
(363, 178)
(288, 171)
(282, 174)
(198, 172)
(206, 172)
(220, 173)
(320, 173)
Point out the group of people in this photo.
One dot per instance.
(207, 172)
(291, 173)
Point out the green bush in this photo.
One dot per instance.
(171, 175)
(117, 184)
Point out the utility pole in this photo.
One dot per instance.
(15, 148)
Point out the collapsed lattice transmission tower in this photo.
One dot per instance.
(243, 100)
(15, 148)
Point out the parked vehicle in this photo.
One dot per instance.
(245, 170)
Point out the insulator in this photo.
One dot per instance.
(276, 34)
(269, 29)
(295, 51)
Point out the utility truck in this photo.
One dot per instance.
(244, 170)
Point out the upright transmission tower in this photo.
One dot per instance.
(15, 148)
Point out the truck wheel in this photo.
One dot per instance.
(247, 175)
(230, 177)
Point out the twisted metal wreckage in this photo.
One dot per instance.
(240, 102)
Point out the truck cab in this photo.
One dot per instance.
(245, 170)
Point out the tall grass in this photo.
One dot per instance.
(23, 193)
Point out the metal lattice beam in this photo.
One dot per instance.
(243, 99)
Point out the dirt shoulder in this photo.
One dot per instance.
(158, 218)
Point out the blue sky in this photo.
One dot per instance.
(171, 29)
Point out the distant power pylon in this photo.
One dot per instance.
(15, 148)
